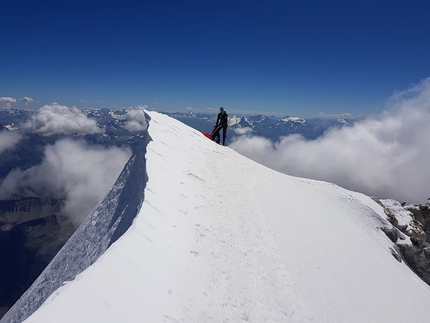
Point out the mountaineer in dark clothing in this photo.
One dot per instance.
(221, 123)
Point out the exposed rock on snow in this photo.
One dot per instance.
(421, 213)
(414, 222)
(418, 258)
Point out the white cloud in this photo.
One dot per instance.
(242, 131)
(9, 139)
(136, 120)
(386, 156)
(6, 102)
(27, 100)
(55, 118)
(74, 170)
(192, 110)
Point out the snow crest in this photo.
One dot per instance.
(220, 238)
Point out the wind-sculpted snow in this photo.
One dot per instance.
(220, 238)
(105, 225)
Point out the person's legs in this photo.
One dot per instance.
(217, 136)
(224, 134)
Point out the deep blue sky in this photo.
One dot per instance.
(297, 57)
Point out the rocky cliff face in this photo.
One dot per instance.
(32, 231)
(411, 235)
(14, 212)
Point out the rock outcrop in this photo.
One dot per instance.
(421, 213)
(411, 234)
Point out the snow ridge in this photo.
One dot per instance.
(106, 224)
(220, 238)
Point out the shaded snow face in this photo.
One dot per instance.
(386, 155)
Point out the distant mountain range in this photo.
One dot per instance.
(30, 149)
(268, 127)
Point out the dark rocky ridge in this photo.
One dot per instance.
(32, 231)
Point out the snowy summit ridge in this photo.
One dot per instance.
(219, 237)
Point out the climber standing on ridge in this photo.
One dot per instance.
(221, 123)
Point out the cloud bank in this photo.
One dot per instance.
(243, 131)
(136, 120)
(27, 100)
(55, 118)
(6, 102)
(9, 139)
(73, 170)
(387, 156)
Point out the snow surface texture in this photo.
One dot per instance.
(109, 220)
(220, 238)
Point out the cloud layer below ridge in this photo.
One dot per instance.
(74, 170)
(386, 155)
(55, 118)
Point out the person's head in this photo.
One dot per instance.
(221, 110)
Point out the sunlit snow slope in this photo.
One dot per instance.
(220, 238)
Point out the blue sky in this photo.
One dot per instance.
(282, 57)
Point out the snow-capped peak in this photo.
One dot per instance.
(294, 119)
(234, 120)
